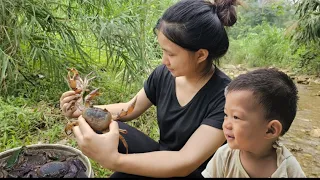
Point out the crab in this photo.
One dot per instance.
(25, 163)
(67, 169)
(98, 119)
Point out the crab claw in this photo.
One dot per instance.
(72, 83)
(70, 125)
(130, 109)
(90, 96)
(75, 81)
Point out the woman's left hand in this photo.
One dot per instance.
(102, 148)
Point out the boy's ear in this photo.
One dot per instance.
(202, 55)
(274, 129)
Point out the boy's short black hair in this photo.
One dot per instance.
(274, 90)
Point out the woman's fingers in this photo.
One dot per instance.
(67, 103)
(84, 136)
(77, 132)
(94, 145)
(69, 98)
(70, 105)
(114, 127)
(84, 126)
(68, 109)
(66, 94)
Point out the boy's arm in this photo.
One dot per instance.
(215, 166)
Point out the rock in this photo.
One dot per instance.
(302, 80)
(315, 133)
(229, 66)
(239, 67)
(307, 120)
(307, 155)
(295, 149)
(317, 81)
(291, 74)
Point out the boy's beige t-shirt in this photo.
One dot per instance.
(226, 163)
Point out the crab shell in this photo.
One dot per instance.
(98, 119)
(56, 169)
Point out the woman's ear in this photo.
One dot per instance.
(274, 129)
(202, 55)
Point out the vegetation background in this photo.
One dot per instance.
(39, 39)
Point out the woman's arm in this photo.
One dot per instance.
(142, 104)
(201, 145)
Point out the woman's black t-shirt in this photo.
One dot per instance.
(178, 123)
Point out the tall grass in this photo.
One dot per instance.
(23, 123)
(263, 45)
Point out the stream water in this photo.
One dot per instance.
(298, 139)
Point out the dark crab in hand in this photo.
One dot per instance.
(98, 119)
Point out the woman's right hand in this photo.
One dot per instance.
(67, 104)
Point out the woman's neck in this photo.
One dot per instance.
(199, 79)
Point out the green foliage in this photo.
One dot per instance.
(305, 36)
(307, 59)
(308, 26)
(258, 38)
(33, 40)
(99, 171)
(24, 124)
(112, 91)
(39, 39)
(264, 45)
(276, 13)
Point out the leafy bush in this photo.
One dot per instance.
(307, 59)
(264, 45)
(41, 38)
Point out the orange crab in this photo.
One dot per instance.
(98, 119)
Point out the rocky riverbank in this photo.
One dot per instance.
(235, 70)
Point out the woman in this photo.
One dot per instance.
(188, 91)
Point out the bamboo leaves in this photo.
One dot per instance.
(309, 22)
(46, 36)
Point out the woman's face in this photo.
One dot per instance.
(179, 61)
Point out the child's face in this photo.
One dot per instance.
(244, 125)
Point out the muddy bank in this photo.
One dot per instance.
(303, 137)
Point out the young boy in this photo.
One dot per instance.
(260, 107)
